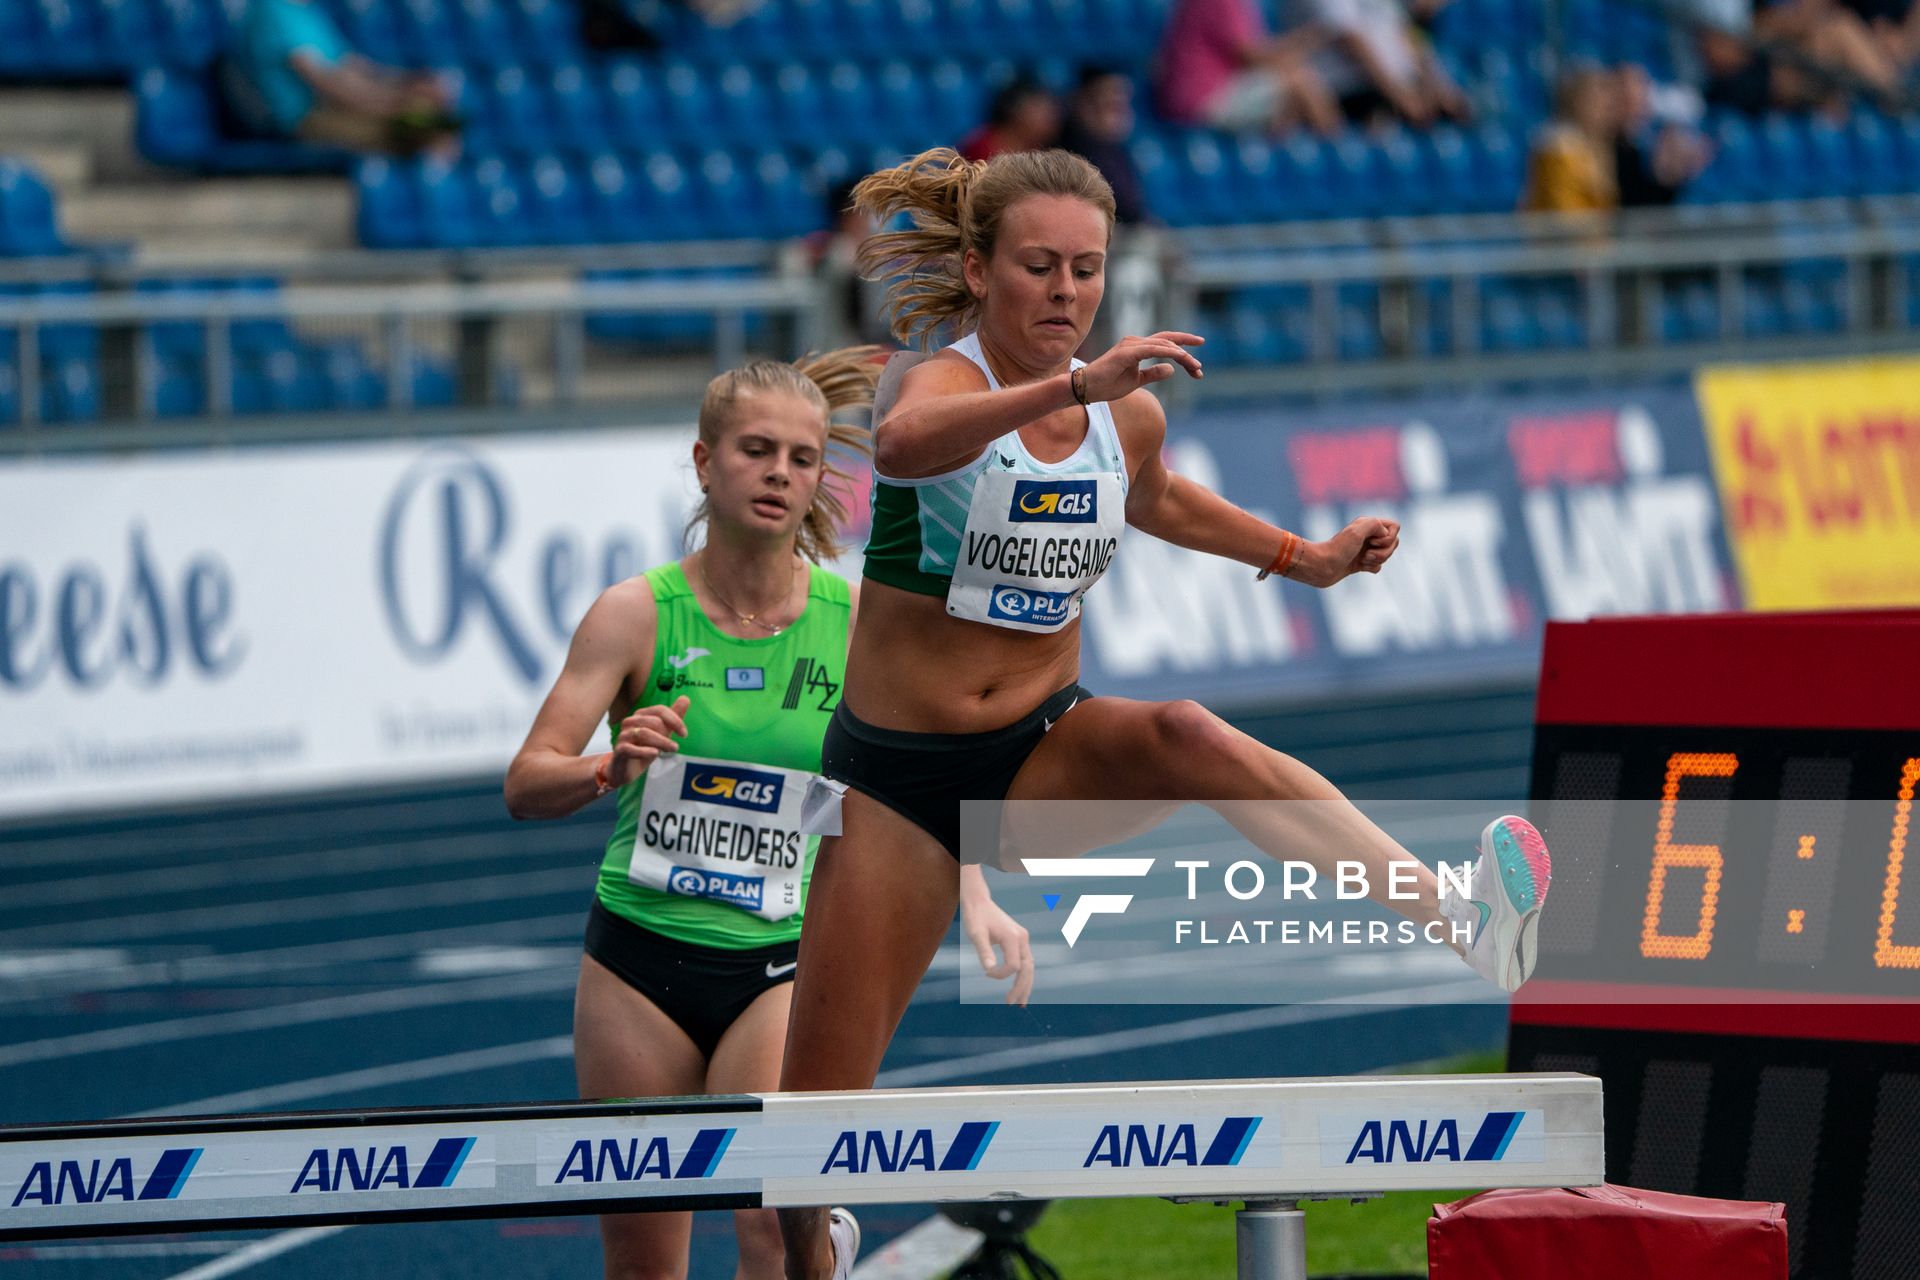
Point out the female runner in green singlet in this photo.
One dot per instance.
(717, 676)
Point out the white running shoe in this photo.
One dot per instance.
(844, 1231)
(1508, 886)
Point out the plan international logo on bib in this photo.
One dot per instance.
(732, 785)
(1053, 501)
(1021, 604)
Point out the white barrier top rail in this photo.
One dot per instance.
(1224, 1139)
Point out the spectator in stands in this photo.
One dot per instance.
(1099, 127)
(291, 73)
(1571, 169)
(1024, 116)
(853, 314)
(1380, 63)
(1657, 150)
(1766, 56)
(1220, 67)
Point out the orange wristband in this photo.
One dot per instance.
(602, 779)
(1283, 562)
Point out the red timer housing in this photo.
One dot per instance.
(1728, 799)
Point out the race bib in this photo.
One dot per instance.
(725, 831)
(1033, 545)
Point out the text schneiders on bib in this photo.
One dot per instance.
(722, 839)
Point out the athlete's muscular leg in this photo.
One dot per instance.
(747, 1060)
(882, 896)
(625, 1047)
(1117, 749)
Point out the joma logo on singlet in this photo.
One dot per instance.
(741, 788)
(1053, 501)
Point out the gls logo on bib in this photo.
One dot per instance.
(740, 788)
(1020, 604)
(1053, 502)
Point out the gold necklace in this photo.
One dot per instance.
(750, 618)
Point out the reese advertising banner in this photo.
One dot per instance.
(198, 625)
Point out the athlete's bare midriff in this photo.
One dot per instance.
(914, 668)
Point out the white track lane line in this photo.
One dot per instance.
(247, 964)
(233, 917)
(451, 1064)
(329, 1009)
(252, 1255)
(282, 868)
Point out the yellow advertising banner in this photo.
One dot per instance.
(1819, 474)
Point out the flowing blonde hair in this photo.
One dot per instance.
(956, 205)
(838, 380)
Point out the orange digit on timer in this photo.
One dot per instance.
(1654, 944)
(1887, 954)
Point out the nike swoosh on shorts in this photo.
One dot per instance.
(780, 971)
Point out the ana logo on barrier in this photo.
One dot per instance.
(372, 1168)
(732, 785)
(1171, 1144)
(1053, 501)
(897, 1150)
(591, 1161)
(1019, 604)
(51, 1182)
(1410, 1142)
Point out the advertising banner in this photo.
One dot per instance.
(1513, 510)
(183, 626)
(188, 626)
(1819, 470)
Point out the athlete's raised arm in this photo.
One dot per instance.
(946, 413)
(611, 654)
(1177, 510)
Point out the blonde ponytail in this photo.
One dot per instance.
(956, 204)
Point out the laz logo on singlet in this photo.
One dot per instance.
(811, 677)
(1053, 501)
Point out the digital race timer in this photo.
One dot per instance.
(1732, 941)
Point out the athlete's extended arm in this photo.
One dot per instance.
(612, 650)
(945, 415)
(1177, 510)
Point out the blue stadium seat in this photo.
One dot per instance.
(69, 38)
(500, 209)
(1354, 174)
(447, 203)
(690, 101)
(673, 206)
(1209, 181)
(428, 34)
(550, 29)
(615, 211)
(485, 36)
(173, 120)
(726, 200)
(373, 28)
(636, 109)
(851, 110)
(389, 214)
(956, 101)
(555, 204)
(578, 111)
(28, 225)
(519, 111)
(789, 205)
(1300, 165)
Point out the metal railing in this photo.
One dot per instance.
(525, 322)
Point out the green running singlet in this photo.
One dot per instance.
(763, 702)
